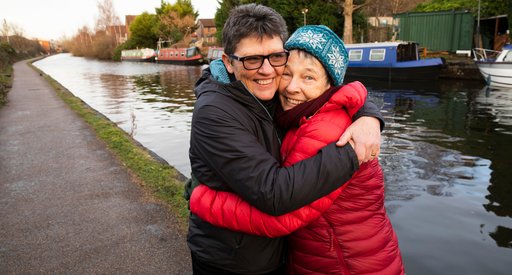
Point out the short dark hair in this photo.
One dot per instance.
(252, 20)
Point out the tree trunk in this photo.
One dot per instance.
(348, 9)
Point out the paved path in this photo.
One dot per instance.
(66, 204)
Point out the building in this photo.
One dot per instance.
(381, 21)
(119, 32)
(206, 31)
(128, 21)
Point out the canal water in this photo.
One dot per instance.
(446, 153)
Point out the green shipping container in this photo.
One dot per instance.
(437, 31)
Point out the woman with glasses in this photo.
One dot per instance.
(347, 232)
(234, 146)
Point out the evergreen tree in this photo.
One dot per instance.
(320, 12)
(487, 7)
(143, 31)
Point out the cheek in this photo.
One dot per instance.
(283, 83)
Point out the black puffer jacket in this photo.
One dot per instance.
(234, 146)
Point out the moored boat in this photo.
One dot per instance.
(214, 53)
(178, 55)
(391, 61)
(495, 66)
(139, 55)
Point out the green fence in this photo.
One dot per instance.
(437, 31)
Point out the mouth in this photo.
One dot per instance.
(293, 101)
(264, 81)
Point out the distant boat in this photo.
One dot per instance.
(398, 61)
(178, 55)
(139, 55)
(495, 66)
(214, 53)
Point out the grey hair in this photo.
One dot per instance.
(252, 20)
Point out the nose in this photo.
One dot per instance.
(266, 68)
(292, 86)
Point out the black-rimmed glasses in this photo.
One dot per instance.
(254, 62)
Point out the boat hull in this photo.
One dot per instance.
(151, 59)
(198, 61)
(422, 73)
(497, 74)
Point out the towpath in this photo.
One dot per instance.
(67, 205)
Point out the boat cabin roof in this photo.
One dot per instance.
(377, 44)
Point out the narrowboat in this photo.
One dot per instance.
(214, 53)
(139, 55)
(495, 66)
(391, 61)
(178, 55)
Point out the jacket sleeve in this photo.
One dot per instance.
(352, 96)
(230, 149)
(227, 210)
(369, 109)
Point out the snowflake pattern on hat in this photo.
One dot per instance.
(316, 40)
(336, 59)
(325, 45)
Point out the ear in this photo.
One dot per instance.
(227, 63)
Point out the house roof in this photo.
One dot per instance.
(208, 22)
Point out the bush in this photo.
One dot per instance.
(7, 58)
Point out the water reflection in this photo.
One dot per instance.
(446, 153)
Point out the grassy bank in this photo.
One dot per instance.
(162, 180)
(5, 83)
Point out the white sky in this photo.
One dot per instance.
(53, 19)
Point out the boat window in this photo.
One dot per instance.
(355, 55)
(377, 54)
(191, 52)
(407, 52)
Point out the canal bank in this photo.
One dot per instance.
(461, 68)
(69, 205)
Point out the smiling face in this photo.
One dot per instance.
(262, 82)
(304, 79)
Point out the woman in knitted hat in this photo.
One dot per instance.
(348, 231)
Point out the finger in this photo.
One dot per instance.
(344, 138)
(361, 153)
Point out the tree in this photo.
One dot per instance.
(144, 31)
(176, 21)
(320, 12)
(222, 14)
(348, 9)
(487, 7)
(106, 37)
(107, 15)
(6, 29)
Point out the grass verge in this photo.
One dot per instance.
(5, 83)
(162, 180)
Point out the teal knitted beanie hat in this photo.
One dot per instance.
(325, 45)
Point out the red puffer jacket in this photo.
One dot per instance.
(346, 232)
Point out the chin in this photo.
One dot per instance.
(264, 95)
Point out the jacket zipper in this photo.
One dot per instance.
(268, 114)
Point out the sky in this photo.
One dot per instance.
(55, 19)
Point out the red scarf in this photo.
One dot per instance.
(291, 118)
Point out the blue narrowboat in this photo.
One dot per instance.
(391, 61)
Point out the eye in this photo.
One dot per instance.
(252, 59)
(308, 77)
(287, 73)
